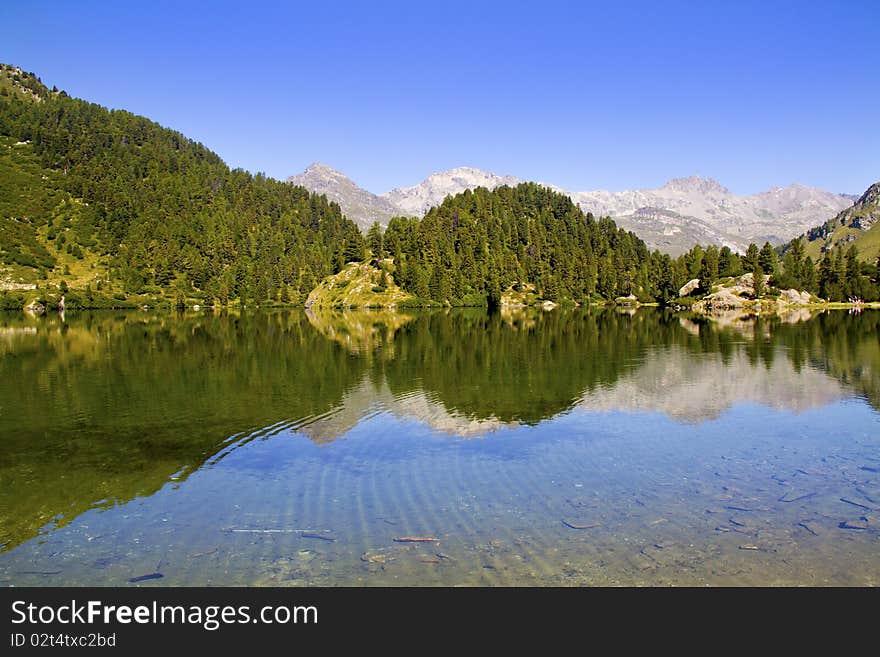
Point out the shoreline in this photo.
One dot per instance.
(759, 307)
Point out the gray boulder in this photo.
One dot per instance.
(689, 287)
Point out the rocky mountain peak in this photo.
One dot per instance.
(359, 205)
(23, 83)
(871, 195)
(681, 213)
(418, 199)
(696, 184)
(865, 212)
(321, 170)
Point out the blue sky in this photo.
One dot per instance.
(587, 96)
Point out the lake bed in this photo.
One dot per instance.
(583, 447)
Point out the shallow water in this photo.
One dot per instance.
(559, 448)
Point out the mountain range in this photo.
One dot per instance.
(671, 218)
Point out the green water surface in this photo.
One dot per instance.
(538, 448)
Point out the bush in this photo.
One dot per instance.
(783, 281)
(11, 300)
(472, 299)
(73, 301)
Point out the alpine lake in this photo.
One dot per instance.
(590, 446)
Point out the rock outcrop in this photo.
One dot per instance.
(629, 300)
(740, 293)
(520, 295)
(794, 297)
(689, 288)
(359, 285)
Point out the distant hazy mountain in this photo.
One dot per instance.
(674, 233)
(858, 224)
(685, 211)
(672, 218)
(418, 199)
(357, 204)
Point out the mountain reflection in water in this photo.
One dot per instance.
(99, 409)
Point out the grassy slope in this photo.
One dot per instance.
(16, 82)
(866, 241)
(28, 198)
(842, 233)
(359, 285)
(39, 222)
(33, 209)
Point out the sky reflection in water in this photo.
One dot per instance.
(293, 448)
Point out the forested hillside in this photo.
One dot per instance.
(149, 210)
(110, 208)
(858, 225)
(478, 243)
(846, 250)
(481, 243)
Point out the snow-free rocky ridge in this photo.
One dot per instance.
(672, 218)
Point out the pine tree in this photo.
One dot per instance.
(767, 258)
(852, 282)
(607, 283)
(695, 261)
(729, 263)
(758, 275)
(709, 267)
(376, 241)
(808, 275)
(793, 266)
(750, 260)
(666, 290)
(420, 281)
(182, 289)
(830, 287)
(840, 274)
